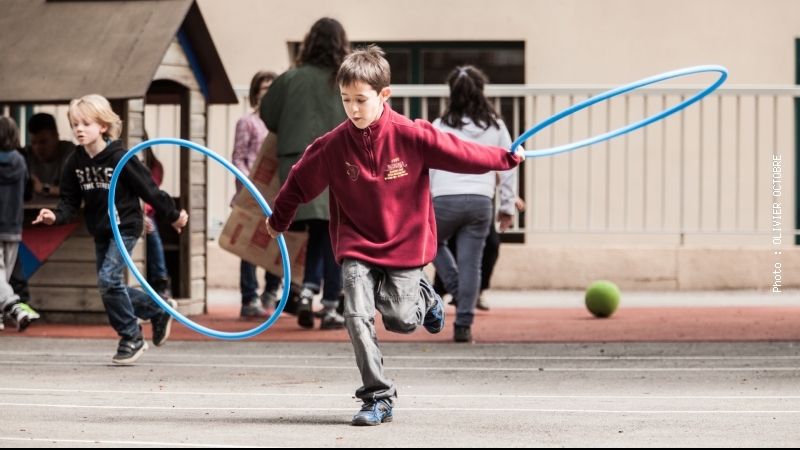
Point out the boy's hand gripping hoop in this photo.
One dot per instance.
(613, 93)
(112, 188)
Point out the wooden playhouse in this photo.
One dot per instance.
(140, 53)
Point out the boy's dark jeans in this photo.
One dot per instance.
(156, 263)
(321, 266)
(248, 283)
(123, 303)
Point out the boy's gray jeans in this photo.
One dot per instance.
(402, 296)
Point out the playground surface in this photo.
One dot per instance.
(65, 392)
(542, 373)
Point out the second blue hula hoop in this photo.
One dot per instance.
(613, 93)
(112, 188)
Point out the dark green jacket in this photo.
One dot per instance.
(299, 107)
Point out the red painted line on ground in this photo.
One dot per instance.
(515, 325)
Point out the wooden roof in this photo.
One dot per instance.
(52, 51)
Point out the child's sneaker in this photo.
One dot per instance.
(130, 350)
(331, 320)
(434, 318)
(483, 305)
(305, 316)
(20, 317)
(33, 314)
(161, 325)
(254, 310)
(373, 413)
(269, 299)
(462, 334)
(163, 287)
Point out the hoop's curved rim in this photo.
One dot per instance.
(628, 128)
(112, 188)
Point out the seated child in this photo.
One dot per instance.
(86, 177)
(383, 228)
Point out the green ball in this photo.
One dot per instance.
(602, 298)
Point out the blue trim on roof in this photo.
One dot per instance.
(193, 63)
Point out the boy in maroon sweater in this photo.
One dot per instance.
(383, 228)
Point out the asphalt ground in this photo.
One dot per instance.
(65, 393)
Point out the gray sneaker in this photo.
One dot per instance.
(331, 320)
(269, 299)
(254, 310)
(20, 316)
(483, 305)
(305, 315)
(2, 327)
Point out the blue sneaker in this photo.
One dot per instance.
(373, 413)
(434, 318)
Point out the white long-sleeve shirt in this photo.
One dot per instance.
(448, 183)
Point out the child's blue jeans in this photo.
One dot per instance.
(123, 303)
(156, 264)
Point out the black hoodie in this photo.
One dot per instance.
(13, 179)
(87, 179)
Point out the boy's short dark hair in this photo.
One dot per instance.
(366, 65)
(40, 122)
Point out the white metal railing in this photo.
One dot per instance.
(705, 170)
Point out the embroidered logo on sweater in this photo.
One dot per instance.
(395, 169)
(353, 171)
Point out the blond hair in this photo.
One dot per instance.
(366, 65)
(96, 108)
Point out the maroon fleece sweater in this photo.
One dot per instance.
(380, 200)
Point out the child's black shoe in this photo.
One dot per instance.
(462, 334)
(130, 350)
(162, 324)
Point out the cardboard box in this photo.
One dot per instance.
(245, 233)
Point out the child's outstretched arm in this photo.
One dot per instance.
(306, 181)
(71, 197)
(445, 151)
(136, 175)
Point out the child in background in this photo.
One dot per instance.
(464, 203)
(157, 274)
(13, 180)
(382, 226)
(86, 179)
(250, 134)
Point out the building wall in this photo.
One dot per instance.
(566, 41)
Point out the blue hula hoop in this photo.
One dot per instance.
(613, 93)
(112, 188)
